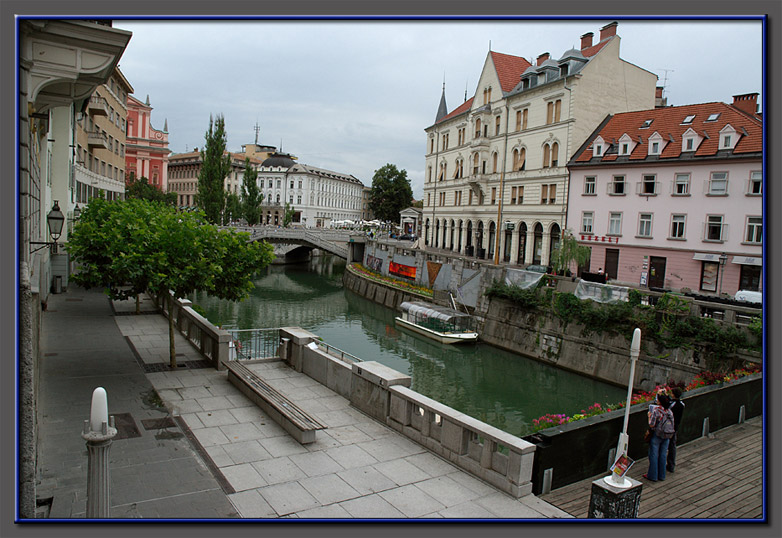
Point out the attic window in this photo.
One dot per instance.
(563, 70)
(713, 117)
(625, 148)
(688, 119)
(646, 124)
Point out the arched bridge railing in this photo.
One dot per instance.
(333, 241)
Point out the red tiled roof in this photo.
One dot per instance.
(464, 107)
(594, 49)
(667, 122)
(509, 69)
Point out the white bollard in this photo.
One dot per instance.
(98, 432)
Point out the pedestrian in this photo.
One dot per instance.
(661, 426)
(677, 408)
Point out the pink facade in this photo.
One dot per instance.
(668, 223)
(146, 153)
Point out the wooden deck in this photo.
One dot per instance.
(720, 476)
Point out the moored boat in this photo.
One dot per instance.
(439, 323)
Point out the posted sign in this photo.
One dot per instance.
(622, 465)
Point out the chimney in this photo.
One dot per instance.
(543, 57)
(586, 40)
(609, 30)
(659, 100)
(747, 102)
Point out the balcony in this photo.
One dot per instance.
(98, 106)
(480, 141)
(98, 140)
(97, 181)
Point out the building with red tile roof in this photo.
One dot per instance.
(671, 198)
(495, 177)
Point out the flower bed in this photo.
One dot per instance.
(701, 380)
(399, 284)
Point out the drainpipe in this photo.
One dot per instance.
(434, 202)
(502, 191)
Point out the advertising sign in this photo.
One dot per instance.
(401, 270)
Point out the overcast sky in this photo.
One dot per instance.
(351, 96)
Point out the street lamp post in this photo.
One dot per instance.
(54, 220)
(621, 448)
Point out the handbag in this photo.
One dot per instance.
(648, 436)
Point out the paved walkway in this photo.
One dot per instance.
(206, 451)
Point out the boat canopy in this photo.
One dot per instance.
(448, 318)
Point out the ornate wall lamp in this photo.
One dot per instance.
(54, 220)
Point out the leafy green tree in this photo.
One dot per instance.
(233, 208)
(568, 252)
(251, 195)
(215, 167)
(111, 242)
(288, 213)
(140, 188)
(132, 246)
(390, 193)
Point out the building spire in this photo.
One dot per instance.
(165, 125)
(257, 129)
(442, 110)
(147, 103)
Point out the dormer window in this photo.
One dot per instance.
(563, 70)
(646, 124)
(655, 147)
(597, 147)
(688, 144)
(688, 119)
(525, 84)
(655, 144)
(625, 145)
(728, 137)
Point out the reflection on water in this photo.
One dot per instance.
(505, 390)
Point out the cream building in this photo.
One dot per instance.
(495, 174)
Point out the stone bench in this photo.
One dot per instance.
(297, 422)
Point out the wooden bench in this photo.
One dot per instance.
(297, 422)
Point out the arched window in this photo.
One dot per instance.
(515, 159)
(522, 242)
(492, 238)
(546, 156)
(478, 128)
(554, 239)
(522, 158)
(475, 164)
(537, 250)
(494, 162)
(554, 153)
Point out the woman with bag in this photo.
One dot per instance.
(661, 427)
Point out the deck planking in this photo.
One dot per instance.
(717, 477)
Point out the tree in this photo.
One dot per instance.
(111, 242)
(287, 215)
(251, 195)
(215, 167)
(139, 188)
(390, 193)
(130, 246)
(569, 251)
(233, 208)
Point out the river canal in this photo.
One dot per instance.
(500, 388)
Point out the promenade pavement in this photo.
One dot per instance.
(195, 447)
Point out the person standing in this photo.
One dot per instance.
(677, 408)
(661, 425)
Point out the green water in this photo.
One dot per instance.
(503, 389)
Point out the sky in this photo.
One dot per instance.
(351, 96)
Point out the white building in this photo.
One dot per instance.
(497, 163)
(318, 197)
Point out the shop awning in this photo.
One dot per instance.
(707, 257)
(748, 260)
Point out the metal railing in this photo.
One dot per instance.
(332, 351)
(250, 344)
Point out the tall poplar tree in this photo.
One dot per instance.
(251, 195)
(215, 167)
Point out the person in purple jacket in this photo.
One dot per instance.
(661, 424)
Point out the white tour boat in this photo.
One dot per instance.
(445, 325)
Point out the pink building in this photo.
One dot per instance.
(672, 198)
(146, 148)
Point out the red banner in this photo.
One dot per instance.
(401, 270)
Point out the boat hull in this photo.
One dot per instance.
(443, 338)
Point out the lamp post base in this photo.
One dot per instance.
(611, 502)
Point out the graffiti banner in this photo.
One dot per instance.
(401, 270)
(433, 268)
(374, 263)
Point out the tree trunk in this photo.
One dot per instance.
(138, 305)
(172, 351)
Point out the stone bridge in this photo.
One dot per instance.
(328, 240)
